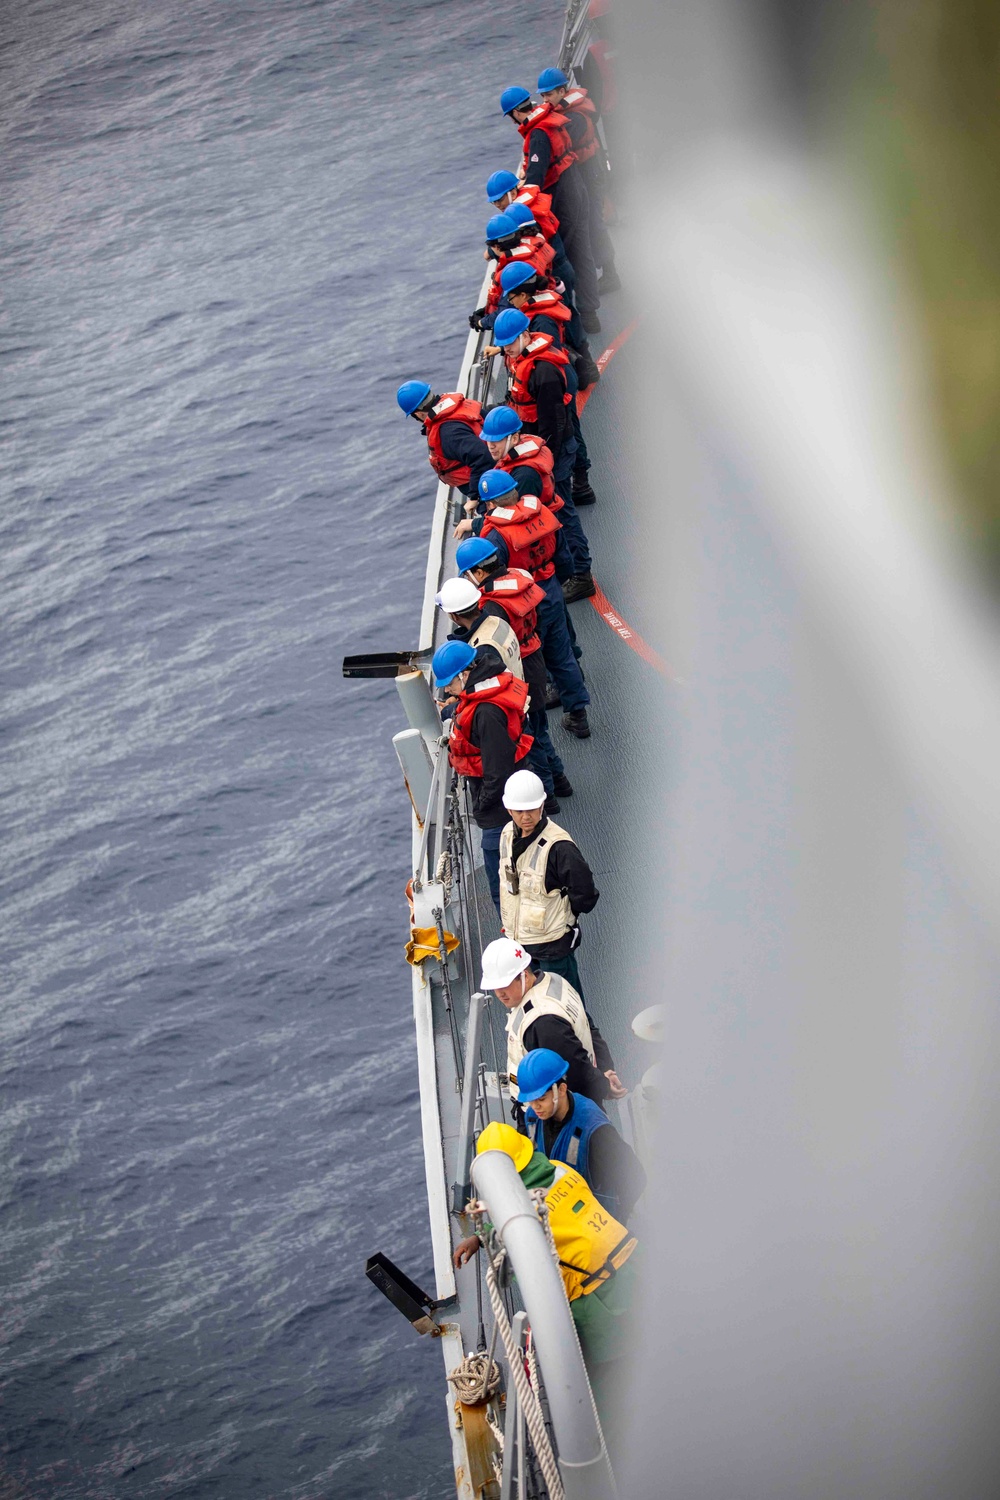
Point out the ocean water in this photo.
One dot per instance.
(231, 227)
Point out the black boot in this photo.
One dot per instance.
(591, 322)
(562, 785)
(587, 373)
(610, 280)
(577, 723)
(552, 805)
(583, 490)
(552, 698)
(580, 586)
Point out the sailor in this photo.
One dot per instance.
(546, 885)
(480, 622)
(545, 1011)
(525, 456)
(488, 737)
(555, 89)
(451, 425)
(594, 1251)
(519, 596)
(573, 1129)
(508, 240)
(531, 527)
(547, 313)
(524, 532)
(549, 164)
(539, 393)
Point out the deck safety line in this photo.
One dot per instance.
(610, 615)
(602, 362)
(599, 599)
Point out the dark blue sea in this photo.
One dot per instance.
(231, 227)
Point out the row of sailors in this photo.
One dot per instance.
(542, 301)
(523, 557)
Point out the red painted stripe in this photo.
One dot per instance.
(600, 600)
(603, 360)
(631, 637)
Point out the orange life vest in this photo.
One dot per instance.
(530, 452)
(505, 691)
(528, 529)
(560, 145)
(531, 252)
(551, 304)
(579, 102)
(540, 204)
(452, 407)
(519, 596)
(541, 348)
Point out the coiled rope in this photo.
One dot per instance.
(477, 1378)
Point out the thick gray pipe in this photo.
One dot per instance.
(421, 710)
(466, 1129)
(583, 1458)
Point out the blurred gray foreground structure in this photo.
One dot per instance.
(822, 1305)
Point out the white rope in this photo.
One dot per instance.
(477, 1378)
(443, 873)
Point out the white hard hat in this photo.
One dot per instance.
(523, 791)
(503, 960)
(458, 595)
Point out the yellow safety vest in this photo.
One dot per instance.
(591, 1245)
(497, 633)
(530, 913)
(549, 996)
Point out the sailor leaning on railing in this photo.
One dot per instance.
(595, 1251)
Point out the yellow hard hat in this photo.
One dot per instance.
(498, 1137)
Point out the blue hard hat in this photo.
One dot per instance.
(551, 78)
(501, 227)
(499, 423)
(473, 552)
(513, 98)
(499, 184)
(515, 275)
(411, 394)
(520, 214)
(537, 1072)
(508, 326)
(494, 484)
(450, 659)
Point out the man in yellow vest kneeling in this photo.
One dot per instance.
(594, 1253)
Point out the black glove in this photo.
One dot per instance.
(474, 319)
